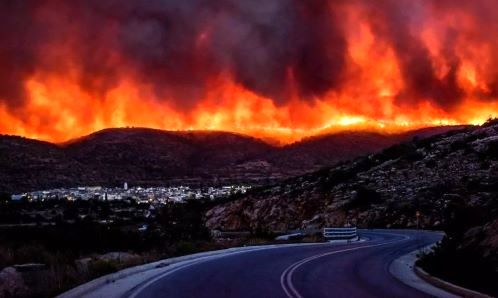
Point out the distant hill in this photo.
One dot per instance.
(27, 164)
(143, 156)
(148, 156)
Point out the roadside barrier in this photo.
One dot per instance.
(340, 233)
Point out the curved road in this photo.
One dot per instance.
(321, 270)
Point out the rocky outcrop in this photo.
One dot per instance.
(12, 283)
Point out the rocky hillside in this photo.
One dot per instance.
(386, 189)
(450, 181)
(154, 157)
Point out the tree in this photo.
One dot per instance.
(4, 197)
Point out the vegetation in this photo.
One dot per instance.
(83, 229)
(4, 197)
(71, 237)
(491, 121)
(363, 199)
(459, 258)
(466, 268)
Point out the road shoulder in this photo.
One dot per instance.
(403, 269)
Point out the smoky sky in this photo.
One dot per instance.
(177, 47)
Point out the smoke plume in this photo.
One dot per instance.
(367, 60)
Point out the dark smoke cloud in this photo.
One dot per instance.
(397, 22)
(19, 41)
(178, 46)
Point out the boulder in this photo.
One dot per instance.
(12, 283)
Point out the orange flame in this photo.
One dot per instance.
(57, 108)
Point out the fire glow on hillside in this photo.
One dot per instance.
(281, 69)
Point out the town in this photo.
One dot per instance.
(95, 230)
(133, 207)
(141, 195)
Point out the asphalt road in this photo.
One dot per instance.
(325, 270)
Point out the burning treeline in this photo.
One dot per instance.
(272, 68)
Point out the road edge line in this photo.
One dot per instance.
(286, 275)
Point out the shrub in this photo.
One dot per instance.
(431, 164)
(492, 150)
(333, 178)
(491, 121)
(4, 197)
(413, 156)
(459, 145)
(398, 151)
(465, 267)
(102, 267)
(363, 198)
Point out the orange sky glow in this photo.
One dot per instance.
(374, 92)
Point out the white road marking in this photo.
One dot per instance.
(177, 267)
(286, 277)
(137, 291)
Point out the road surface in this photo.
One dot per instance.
(323, 270)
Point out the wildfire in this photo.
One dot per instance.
(438, 69)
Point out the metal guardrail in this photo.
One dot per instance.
(340, 233)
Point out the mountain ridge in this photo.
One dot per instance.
(144, 156)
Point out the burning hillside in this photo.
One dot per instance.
(283, 69)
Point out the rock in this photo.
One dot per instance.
(12, 283)
(83, 264)
(120, 257)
